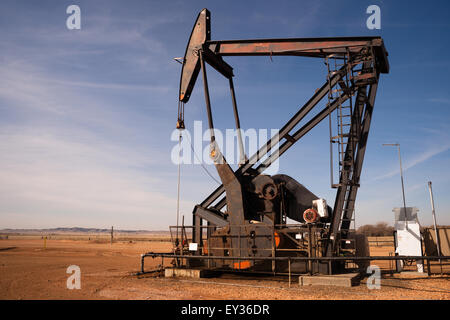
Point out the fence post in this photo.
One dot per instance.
(289, 261)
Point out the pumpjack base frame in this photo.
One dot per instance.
(328, 260)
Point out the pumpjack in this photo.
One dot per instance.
(247, 216)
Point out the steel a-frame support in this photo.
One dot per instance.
(349, 180)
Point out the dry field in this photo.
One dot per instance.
(28, 271)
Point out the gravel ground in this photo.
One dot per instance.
(28, 271)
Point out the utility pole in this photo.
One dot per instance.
(401, 176)
(438, 245)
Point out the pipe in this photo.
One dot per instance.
(434, 219)
(152, 254)
(242, 155)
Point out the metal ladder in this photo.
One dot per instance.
(344, 111)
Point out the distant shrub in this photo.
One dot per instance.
(378, 230)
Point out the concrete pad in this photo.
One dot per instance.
(186, 273)
(341, 280)
(413, 274)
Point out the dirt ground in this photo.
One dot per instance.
(28, 271)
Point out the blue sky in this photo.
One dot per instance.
(86, 115)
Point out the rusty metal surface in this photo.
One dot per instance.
(191, 62)
(431, 244)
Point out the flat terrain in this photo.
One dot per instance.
(30, 271)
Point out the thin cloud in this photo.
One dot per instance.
(416, 161)
(440, 100)
(113, 86)
(48, 175)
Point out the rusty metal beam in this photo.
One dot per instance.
(307, 47)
